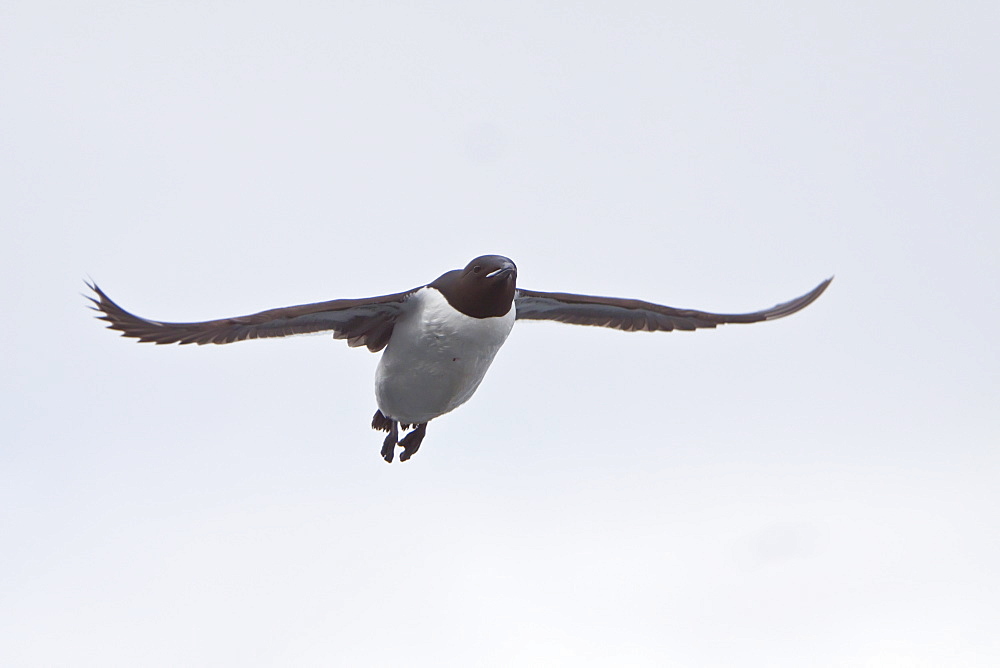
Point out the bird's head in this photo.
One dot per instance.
(483, 289)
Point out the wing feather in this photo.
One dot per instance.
(363, 322)
(633, 315)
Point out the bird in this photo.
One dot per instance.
(437, 340)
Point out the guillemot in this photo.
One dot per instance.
(439, 338)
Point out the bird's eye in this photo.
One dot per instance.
(477, 269)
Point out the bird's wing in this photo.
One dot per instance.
(363, 322)
(632, 315)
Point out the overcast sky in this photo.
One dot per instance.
(819, 491)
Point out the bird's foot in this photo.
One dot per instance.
(411, 442)
(389, 444)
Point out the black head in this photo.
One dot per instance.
(484, 289)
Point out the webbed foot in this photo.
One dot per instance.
(411, 442)
(389, 444)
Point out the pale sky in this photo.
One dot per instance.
(817, 491)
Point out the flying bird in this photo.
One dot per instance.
(439, 339)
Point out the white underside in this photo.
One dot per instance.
(436, 358)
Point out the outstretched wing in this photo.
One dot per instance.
(633, 315)
(363, 322)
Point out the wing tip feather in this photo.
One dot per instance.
(799, 303)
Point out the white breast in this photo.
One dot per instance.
(436, 358)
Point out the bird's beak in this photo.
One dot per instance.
(505, 269)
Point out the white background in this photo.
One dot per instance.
(819, 491)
